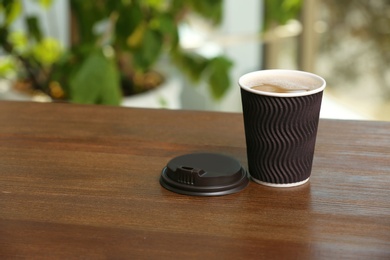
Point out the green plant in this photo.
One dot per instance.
(113, 50)
(279, 12)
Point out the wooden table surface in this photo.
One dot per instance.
(83, 182)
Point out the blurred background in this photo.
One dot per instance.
(189, 54)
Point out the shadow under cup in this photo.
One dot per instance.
(281, 128)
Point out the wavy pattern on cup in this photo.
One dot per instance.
(280, 146)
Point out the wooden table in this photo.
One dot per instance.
(83, 182)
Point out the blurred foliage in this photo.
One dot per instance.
(358, 41)
(114, 48)
(279, 12)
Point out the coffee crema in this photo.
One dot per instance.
(282, 83)
(279, 88)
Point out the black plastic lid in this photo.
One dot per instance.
(204, 174)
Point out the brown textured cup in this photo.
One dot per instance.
(280, 128)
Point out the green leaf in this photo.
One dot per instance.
(209, 9)
(97, 82)
(85, 15)
(155, 4)
(12, 9)
(7, 67)
(33, 28)
(279, 12)
(149, 50)
(167, 26)
(130, 17)
(192, 64)
(47, 51)
(19, 42)
(219, 80)
(46, 3)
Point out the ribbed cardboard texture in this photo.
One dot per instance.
(280, 136)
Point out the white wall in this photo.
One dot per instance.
(241, 17)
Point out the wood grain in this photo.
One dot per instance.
(83, 182)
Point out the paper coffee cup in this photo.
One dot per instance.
(281, 112)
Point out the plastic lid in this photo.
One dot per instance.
(204, 174)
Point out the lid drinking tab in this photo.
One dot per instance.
(204, 174)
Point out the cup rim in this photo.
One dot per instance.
(281, 71)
